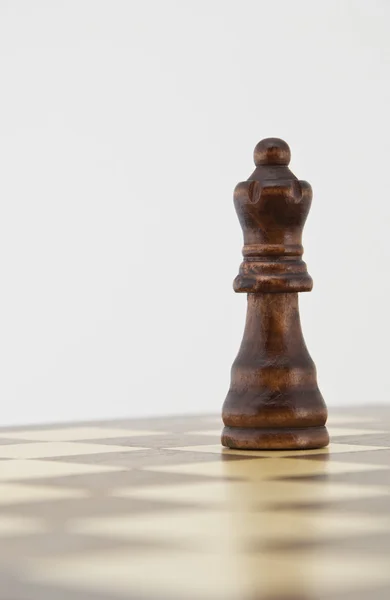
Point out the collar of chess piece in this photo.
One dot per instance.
(272, 206)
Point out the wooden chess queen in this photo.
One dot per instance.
(273, 401)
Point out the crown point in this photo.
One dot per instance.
(272, 151)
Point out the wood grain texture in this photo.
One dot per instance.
(274, 401)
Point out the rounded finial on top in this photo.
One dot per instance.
(272, 151)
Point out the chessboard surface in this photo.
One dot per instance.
(156, 509)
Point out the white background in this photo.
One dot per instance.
(124, 127)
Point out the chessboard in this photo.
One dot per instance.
(157, 509)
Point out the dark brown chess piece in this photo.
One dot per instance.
(274, 401)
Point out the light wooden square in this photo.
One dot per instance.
(69, 434)
(57, 449)
(248, 495)
(209, 530)
(266, 468)
(19, 470)
(11, 525)
(218, 576)
(14, 493)
(344, 431)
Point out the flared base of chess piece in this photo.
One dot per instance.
(303, 438)
(274, 402)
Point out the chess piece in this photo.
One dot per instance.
(274, 401)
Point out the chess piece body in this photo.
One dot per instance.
(273, 401)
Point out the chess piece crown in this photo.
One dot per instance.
(272, 206)
(273, 401)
